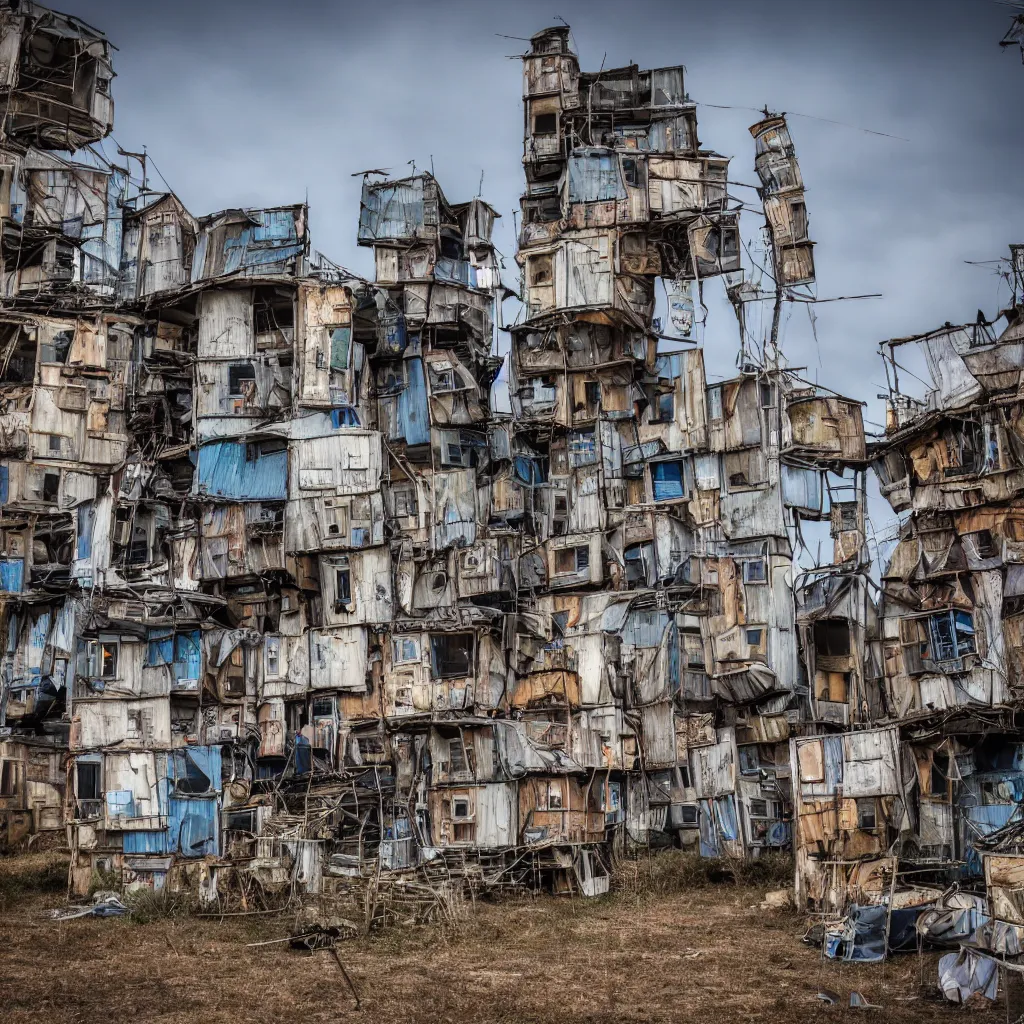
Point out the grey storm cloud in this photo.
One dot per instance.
(265, 103)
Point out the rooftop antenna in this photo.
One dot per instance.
(480, 187)
(141, 157)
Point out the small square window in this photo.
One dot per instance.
(405, 649)
(755, 636)
(451, 655)
(755, 571)
(241, 380)
(572, 560)
(592, 390)
(545, 124)
(866, 815)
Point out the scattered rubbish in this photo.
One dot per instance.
(966, 974)
(104, 904)
(858, 1001)
(829, 998)
(777, 899)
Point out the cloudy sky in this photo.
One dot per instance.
(252, 102)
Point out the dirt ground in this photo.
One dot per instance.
(708, 955)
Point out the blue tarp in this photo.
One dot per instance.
(234, 470)
(188, 796)
(717, 822)
(413, 418)
(12, 573)
(862, 936)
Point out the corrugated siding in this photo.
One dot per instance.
(225, 471)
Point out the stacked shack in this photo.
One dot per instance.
(660, 514)
(931, 793)
(64, 369)
(288, 606)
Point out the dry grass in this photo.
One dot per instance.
(652, 951)
(28, 874)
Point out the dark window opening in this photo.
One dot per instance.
(51, 486)
(867, 817)
(89, 781)
(189, 778)
(8, 774)
(631, 171)
(138, 547)
(985, 544)
(241, 380)
(592, 391)
(243, 820)
(272, 311)
(755, 570)
(750, 762)
(664, 408)
(572, 559)
(638, 558)
(832, 637)
(343, 585)
(545, 124)
(451, 655)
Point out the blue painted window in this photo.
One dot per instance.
(187, 655)
(667, 480)
(160, 649)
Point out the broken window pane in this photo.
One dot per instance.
(241, 380)
(451, 654)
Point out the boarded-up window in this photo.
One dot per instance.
(811, 758)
